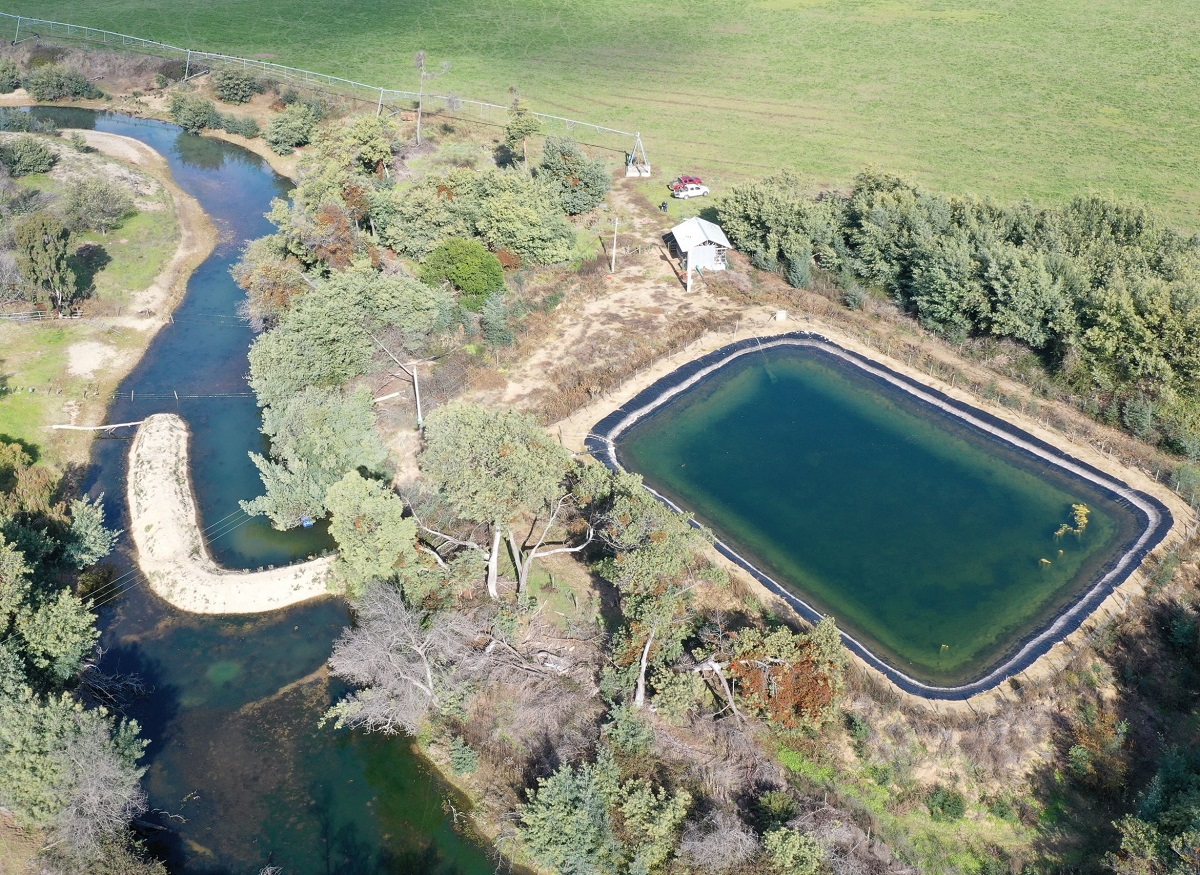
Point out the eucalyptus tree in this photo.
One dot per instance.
(499, 468)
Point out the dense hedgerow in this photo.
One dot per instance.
(1105, 293)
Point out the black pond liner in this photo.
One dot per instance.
(1156, 518)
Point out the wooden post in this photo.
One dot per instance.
(379, 108)
(187, 68)
(612, 267)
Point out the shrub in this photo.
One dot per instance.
(96, 205)
(235, 86)
(243, 127)
(10, 76)
(1186, 481)
(291, 128)
(793, 853)
(799, 265)
(855, 296)
(25, 122)
(466, 265)
(628, 732)
(580, 183)
(945, 804)
(463, 758)
(25, 155)
(57, 82)
(194, 114)
(775, 808)
(858, 727)
(495, 321)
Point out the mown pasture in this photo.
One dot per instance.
(1013, 98)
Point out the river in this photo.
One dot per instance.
(239, 773)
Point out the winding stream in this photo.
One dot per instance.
(239, 771)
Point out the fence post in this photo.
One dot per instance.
(17, 35)
(379, 109)
(187, 67)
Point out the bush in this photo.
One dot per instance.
(243, 127)
(291, 128)
(25, 155)
(799, 265)
(466, 265)
(775, 808)
(57, 82)
(793, 853)
(10, 76)
(25, 122)
(580, 184)
(96, 205)
(235, 86)
(1186, 481)
(463, 758)
(495, 321)
(628, 732)
(194, 114)
(946, 804)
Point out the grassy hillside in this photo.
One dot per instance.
(1043, 98)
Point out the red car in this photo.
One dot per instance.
(680, 181)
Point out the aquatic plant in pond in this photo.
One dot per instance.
(936, 536)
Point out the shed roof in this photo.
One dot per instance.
(696, 231)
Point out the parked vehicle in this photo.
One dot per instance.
(690, 190)
(680, 181)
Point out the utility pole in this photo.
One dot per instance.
(612, 267)
(413, 373)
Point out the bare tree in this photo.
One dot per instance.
(425, 75)
(403, 659)
(718, 843)
(112, 691)
(106, 794)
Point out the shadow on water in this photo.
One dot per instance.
(239, 773)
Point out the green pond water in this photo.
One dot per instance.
(239, 772)
(922, 536)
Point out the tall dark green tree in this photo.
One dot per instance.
(43, 246)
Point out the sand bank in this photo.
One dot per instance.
(170, 548)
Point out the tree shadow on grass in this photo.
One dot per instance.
(87, 261)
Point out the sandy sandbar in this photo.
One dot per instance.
(170, 547)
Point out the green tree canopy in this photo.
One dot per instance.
(580, 183)
(373, 535)
(468, 267)
(317, 436)
(43, 246)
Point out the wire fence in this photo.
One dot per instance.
(195, 63)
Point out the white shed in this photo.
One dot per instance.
(700, 244)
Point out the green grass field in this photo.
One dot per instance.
(1016, 98)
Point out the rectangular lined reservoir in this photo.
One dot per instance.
(938, 546)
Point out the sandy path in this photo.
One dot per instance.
(170, 549)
